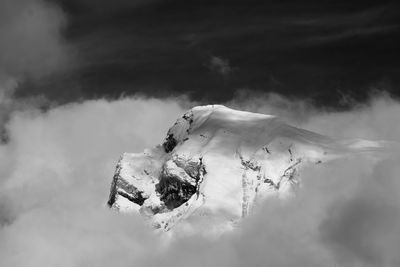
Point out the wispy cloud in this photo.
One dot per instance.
(350, 33)
(220, 66)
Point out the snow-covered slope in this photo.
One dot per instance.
(215, 164)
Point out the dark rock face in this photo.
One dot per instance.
(172, 189)
(126, 190)
(113, 191)
(135, 198)
(173, 192)
(170, 143)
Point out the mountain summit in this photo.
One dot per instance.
(215, 164)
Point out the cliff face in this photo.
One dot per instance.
(214, 165)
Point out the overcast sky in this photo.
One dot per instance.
(329, 51)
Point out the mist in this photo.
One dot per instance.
(57, 165)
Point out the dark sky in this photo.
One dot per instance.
(321, 49)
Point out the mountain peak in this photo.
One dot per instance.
(216, 164)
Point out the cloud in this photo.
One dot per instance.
(104, 5)
(32, 47)
(56, 168)
(353, 33)
(55, 178)
(220, 66)
(31, 41)
(343, 26)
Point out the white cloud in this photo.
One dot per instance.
(56, 170)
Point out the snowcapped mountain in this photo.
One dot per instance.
(215, 164)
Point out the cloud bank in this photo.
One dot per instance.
(56, 168)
